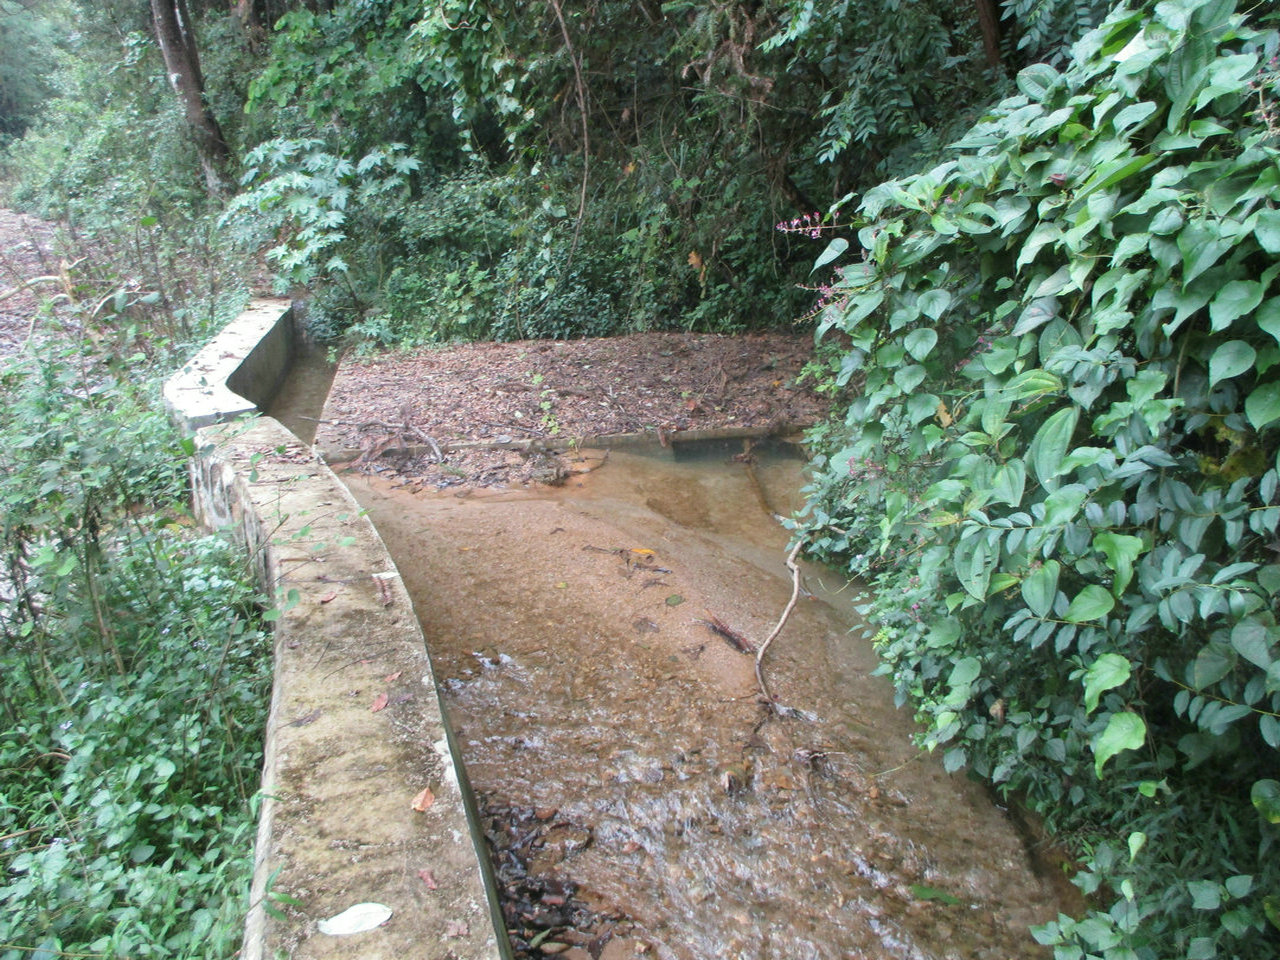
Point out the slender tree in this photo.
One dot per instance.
(989, 22)
(175, 34)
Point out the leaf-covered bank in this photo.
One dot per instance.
(1059, 467)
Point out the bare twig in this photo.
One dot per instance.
(430, 441)
(29, 283)
(791, 604)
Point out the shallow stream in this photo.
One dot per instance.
(634, 786)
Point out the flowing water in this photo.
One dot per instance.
(620, 746)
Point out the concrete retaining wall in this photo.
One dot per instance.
(364, 799)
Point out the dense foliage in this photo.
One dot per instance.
(1058, 466)
(134, 670)
(617, 165)
(134, 683)
(24, 80)
(585, 169)
(1055, 353)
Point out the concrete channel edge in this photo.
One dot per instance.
(363, 800)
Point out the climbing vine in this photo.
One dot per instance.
(1059, 467)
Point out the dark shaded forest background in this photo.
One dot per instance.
(1045, 235)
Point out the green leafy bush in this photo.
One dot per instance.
(1059, 470)
(110, 143)
(135, 681)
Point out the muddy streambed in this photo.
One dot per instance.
(634, 789)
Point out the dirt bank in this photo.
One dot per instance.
(528, 398)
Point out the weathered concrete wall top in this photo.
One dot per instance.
(364, 800)
(240, 369)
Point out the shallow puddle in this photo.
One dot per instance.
(623, 740)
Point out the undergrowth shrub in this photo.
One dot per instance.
(136, 677)
(1059, 468)
(399, 260)
(108, 144)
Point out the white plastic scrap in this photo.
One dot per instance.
(357, 919)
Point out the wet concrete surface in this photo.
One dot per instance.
(301, 398)
(639, 796)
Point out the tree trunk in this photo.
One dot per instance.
(176, 37)
(989, 21)
(247, 14)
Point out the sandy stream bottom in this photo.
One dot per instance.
(586, 694)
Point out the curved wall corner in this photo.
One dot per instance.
(363, 798)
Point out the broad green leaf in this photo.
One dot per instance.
(1121, 551)
(1230, 359)
(922, 406)
(1269, 727)
(1001, 582)
(1111, 173)
(1039, 312)
(1031, 383)
(994, 414)
(1049, 446)
(1106, 673)
(933, 303)
(1239, 885)
(1227, 76)
(1009, 484)
(1169, 220)
(1040, 587)
(1091, 603)
(1205, 895)
(970, 563)
(909, 377)
(943, 635)
(1201, 244)
(1124, 731)
(1137, 840)
(1265, 796)
(1252, 640)
(920, 343)
(1211, 664)
(1262, 406)
(1268, 317)
(964, 673)
(1036, 80)
(1234, 300)
(1064, 503)
(1133, 114)
(1267, 229)
(836, 247)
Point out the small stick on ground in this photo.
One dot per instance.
(791, 604)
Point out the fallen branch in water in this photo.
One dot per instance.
(791, 604)
(722, 629)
